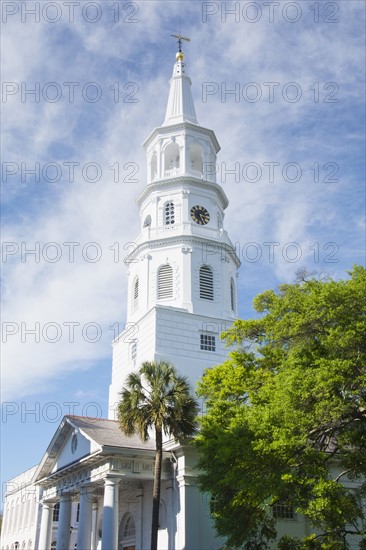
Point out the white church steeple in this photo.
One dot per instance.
(182, 290)
(180, 106)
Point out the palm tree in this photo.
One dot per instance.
(157, 399)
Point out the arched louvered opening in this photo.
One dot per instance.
(136, 294)
(206, 283)
(165, 282)
(232, 295)
(169, 214)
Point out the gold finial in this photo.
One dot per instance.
(180, 55)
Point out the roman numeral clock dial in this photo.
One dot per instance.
(200, 215)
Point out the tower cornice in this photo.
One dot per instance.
(224, 248)
(188, 126)
(182, 181)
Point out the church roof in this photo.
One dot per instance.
(100, 436)
(107, 433)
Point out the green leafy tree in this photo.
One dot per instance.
(157, 400)
(286, 416)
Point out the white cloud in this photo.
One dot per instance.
(107, 133)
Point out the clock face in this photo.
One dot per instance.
(200, 215)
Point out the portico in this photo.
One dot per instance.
(111, 486)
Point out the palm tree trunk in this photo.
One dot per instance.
(156, 490)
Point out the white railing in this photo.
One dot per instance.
(171, 173)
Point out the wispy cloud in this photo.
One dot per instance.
(309, 133)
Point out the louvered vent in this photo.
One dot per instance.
(206, 283)
(136, 294)
(232, 294)
(165, 282)
(133, 352)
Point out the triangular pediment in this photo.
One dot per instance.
(78, 438)
(69, 445)
(75, 447)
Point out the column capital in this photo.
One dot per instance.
(48, 503)
(65, 495)
(111, 479)
(186, 480)
(86, 489)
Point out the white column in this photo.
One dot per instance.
(46, 522)
(140, 519)
(207, 173)
(110, 514)
(64, 523)
(94, 541)
(187, 278)
(159, 155)
(85, 519)
(157, 221)
(183, 157)
(186, 218)
(189, 514)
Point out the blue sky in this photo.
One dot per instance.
(297, 70)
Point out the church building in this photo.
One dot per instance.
(93, 487)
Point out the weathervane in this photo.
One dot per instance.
(180, 38)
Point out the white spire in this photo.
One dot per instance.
(180, 106)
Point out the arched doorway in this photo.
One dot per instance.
(127, 533)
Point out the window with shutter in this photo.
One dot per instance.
(165, 282)
(206, 283)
